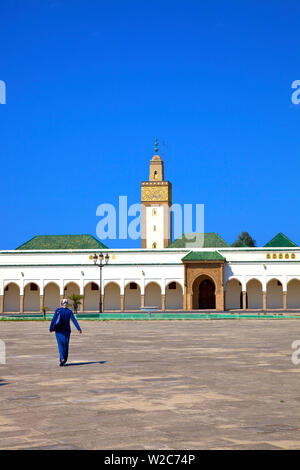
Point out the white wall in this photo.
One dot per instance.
(156, 221)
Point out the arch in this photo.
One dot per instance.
(28, 283)
(233, 294)
(204, 293)
(91, 297)
(153, 295)
(254, 294)
(174, 296)
(31, 297)
(11, 297)
(112, 296)
(293, 293)
(274, 294)
(51, 296)
(136, 281)
(71, 288)
(132, 296)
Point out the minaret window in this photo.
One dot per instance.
(155, 175)
(154, 228)
(154, 245)
(154, 212)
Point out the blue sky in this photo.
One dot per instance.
(91, 83)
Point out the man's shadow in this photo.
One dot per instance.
(84, 363)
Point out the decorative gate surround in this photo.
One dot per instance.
(199, 267)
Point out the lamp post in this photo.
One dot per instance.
(98, 261)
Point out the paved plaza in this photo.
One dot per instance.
(191, 384)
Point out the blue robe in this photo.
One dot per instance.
(63, 332)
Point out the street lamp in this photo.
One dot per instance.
(98, 261)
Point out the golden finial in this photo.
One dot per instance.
(156, 146)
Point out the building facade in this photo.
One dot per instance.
(169, 279)
(194, 272)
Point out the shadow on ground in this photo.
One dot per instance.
(83, 363)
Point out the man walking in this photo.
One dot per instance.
(61, 325)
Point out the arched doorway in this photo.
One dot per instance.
(132, 295)
(204, 293)
(254, 294)
(233, 294)
(153, 295)
(274, 294)
(71, 289)
(293, 293)
(112, 297)
(174, 296)
(207, 296)
(91, 297)
(11, 298)
(51, 296)
(31, 297)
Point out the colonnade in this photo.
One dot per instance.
(256, 294)
(32, 298)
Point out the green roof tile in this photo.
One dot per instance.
(203, 256)
(199, 240)
(62, 242)
(280, 241)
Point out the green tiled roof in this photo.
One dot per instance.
(61, 242)
(203, 256)
(280, 241)
(199, 240)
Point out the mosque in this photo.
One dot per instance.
(205, 274)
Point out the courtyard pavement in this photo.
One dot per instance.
(190, 384)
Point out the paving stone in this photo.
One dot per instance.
(214, 384)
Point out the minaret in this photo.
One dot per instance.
(156, 198)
